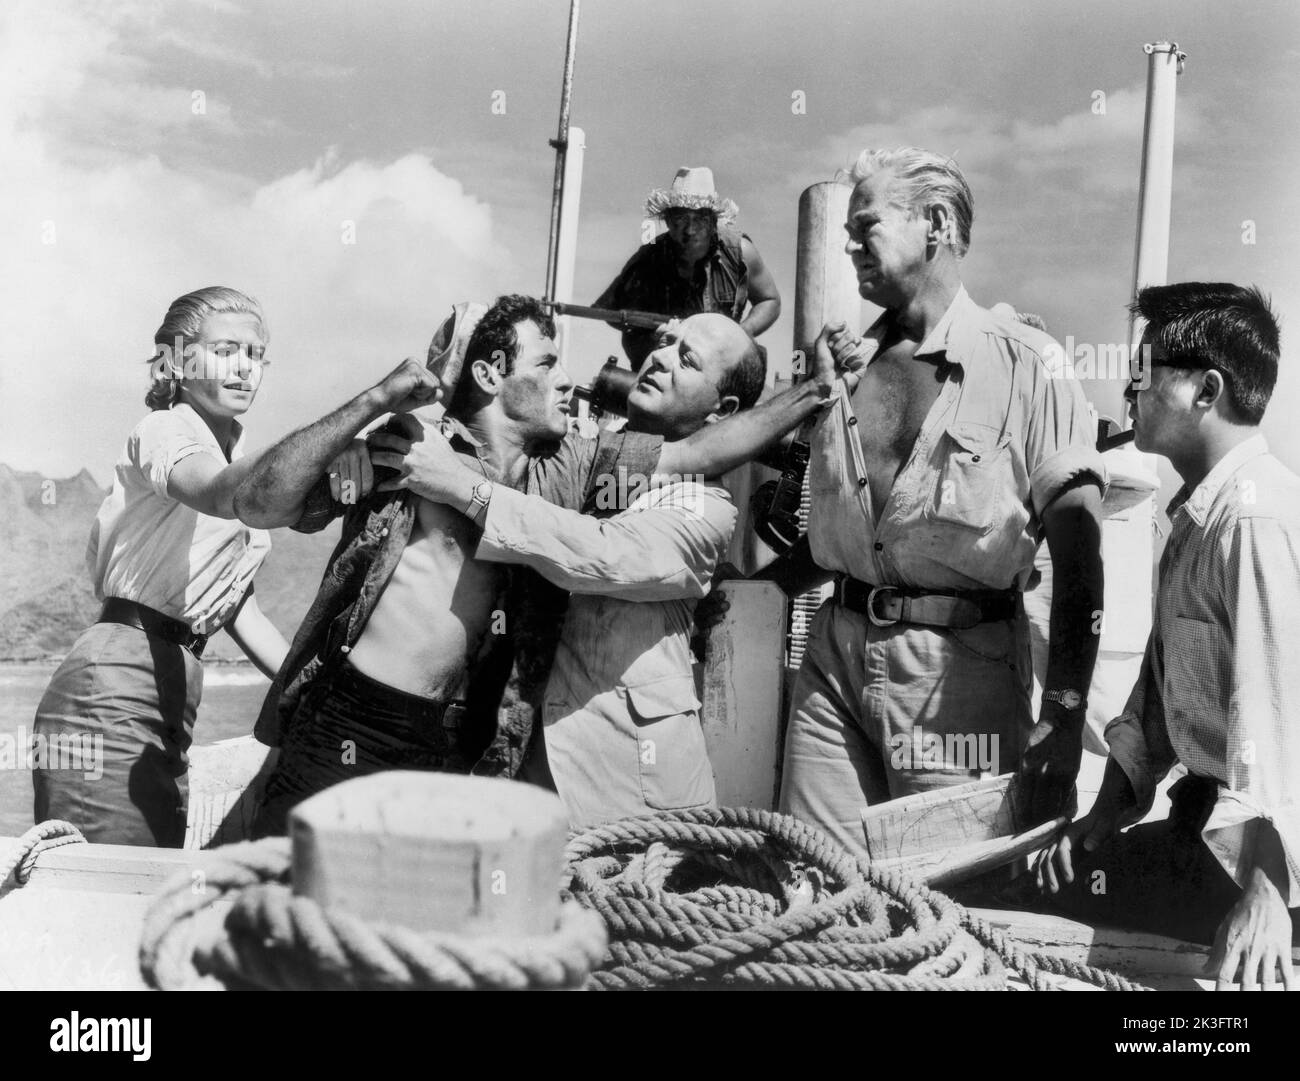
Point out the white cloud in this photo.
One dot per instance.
(132, 230)
(172, 39)
(1097, 153)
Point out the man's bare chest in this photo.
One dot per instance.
(891, 404)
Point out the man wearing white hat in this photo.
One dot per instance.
(701, 264)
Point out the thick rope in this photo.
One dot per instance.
(733, 897)
(748, 898)
(53, 833)
(240, 925)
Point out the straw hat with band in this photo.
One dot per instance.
(692, 189)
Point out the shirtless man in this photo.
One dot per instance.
(622, 720)
(388, 668)
(932, 483)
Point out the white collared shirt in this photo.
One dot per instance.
(1218, 689)
(149, 548)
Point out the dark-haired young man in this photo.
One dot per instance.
(1218, 688)
(622, 725)
(395, 665)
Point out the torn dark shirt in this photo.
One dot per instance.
(508, 678)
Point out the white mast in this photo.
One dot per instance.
(1155, 188)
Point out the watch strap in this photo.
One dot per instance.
(479, 499)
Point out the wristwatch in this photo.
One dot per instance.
(479, 499)
(1068, 698)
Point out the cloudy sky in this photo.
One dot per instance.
(150, 148)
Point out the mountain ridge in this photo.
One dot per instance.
(46, 599)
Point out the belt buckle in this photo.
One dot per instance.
(879, 621)
(452, 716)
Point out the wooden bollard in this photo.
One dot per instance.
(825, 285)
(433, 852)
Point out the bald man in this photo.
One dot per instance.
(622, 725)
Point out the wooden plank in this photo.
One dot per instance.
(944, 867)
(1130, 953)
(944, 819)
(226, 782)
(741, 713)
(953, 834)
(70, 940)
(107, 868)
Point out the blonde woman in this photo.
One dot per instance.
(173, 566)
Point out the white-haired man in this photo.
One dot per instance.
(932, 484)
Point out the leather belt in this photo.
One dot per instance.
(958, 608)
(419, 711)
(144, 618)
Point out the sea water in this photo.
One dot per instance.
(232, 696)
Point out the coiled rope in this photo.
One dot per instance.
(240, 925)
(53, 833)
(729, 897)
(748, 898)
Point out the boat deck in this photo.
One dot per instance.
(76, 924)
(56, 933)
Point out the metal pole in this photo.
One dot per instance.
(566, 257)
(561, 144)
(1155, 188)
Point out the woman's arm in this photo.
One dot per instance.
(258, 638)
(203, 482)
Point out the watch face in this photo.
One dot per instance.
(1071, 699)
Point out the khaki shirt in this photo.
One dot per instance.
(1005, 434)
(623, 734)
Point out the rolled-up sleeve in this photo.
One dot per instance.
(161, 442)
(1263, 744)
(1061, 437)
(664, 551)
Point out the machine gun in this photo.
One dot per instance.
(608, 392)
(624, 318)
